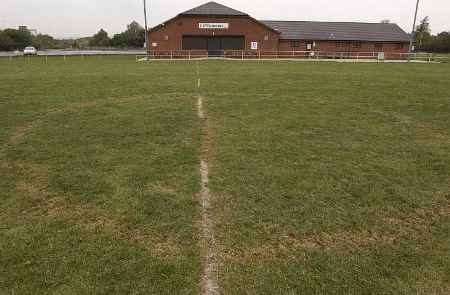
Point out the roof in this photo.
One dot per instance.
(214, 8)
(345, 31)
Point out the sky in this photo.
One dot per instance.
(79, 18)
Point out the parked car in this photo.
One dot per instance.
(30, 50)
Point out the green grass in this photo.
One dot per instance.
(98, 178)
(331, 178)
(327, 178)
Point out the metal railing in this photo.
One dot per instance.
(245, 55)
(256, 54)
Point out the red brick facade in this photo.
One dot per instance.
(170, 35)
(343, 46)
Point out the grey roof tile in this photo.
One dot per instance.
(345, 31)
(214, 8)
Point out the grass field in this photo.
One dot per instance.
(326, 178)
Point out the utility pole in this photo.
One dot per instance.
(413, 33)
(147, 45)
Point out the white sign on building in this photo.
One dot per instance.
(214, 26)
(254, 45)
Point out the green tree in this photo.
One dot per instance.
(423, 32)
(119, 40)
(441, 42)
(21, 38)
(133, 36)
(100, 39)
(44, 41)
(6, 42)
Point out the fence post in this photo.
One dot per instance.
(242, 56)
(171, 54)
(46, 59)
(189, 55)
(259, 54)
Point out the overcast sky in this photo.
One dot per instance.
(75, 18)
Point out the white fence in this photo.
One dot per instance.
(253, 54)
(75, 53)
(236, 55)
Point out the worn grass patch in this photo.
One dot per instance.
(330, 178)
(98, 178)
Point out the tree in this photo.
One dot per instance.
(441, 43)
(21, 38)
(100, 39)
(423, 32)
(119, 40)
(44, 41)
(6, 42)
(134, 36)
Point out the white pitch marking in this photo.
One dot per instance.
(209, 280)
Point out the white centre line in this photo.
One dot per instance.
(210, 280)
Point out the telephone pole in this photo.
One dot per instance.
(413, 33)
(147, 45)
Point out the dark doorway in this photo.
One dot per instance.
(215, 45)
(195, 43)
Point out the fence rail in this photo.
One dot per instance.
(253, 54)
(240, 55)
(75, 53)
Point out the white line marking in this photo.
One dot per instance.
(201, 114)
(210, 267)
(209, 281)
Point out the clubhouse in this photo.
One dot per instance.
(215, 28)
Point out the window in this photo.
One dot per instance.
(295, 44)
(357, 44)
(399, 46)
(341, 44)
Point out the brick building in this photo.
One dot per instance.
(215, 28)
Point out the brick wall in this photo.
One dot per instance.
(170, 36)
(336, 46)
